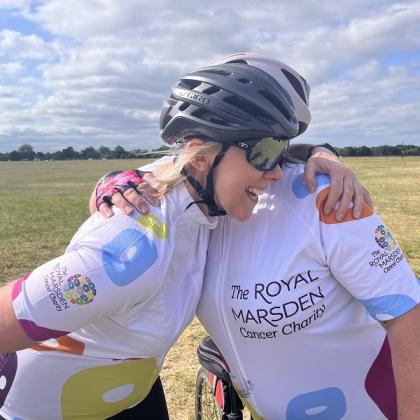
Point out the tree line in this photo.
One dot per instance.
(399, 150)
(27, 152)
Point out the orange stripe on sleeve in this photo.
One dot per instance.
(330, 219)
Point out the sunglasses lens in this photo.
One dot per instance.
(267, 153)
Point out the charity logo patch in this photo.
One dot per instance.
(79, 290)
(384, 238)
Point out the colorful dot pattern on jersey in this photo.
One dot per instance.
(17, 287)
(324, 404)
(64, 344)
(37, 333)
(79, 290)
(128, 256)
(8, 368)
(103, 391)
(152, 224)
(381, 386)
(331, 219)
(384, 238)
(384, 308)
(300, 190)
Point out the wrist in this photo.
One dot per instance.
(117, 182)
(324, 150)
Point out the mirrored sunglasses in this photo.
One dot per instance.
(266, 153)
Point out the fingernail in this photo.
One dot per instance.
(357, 215)
(328, 211)
(108, 213)
(340, 217)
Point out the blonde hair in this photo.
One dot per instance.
(167, 174)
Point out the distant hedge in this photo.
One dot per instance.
(26, 152)
(399, 150)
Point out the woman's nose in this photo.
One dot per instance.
(275, 174)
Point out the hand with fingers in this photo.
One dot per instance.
(126, 190)
(345, 187)
(130, 190)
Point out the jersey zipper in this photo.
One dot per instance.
(245, 385)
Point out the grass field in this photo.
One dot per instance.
(43, 203)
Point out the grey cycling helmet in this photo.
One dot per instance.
(228, 103)
(295, 85)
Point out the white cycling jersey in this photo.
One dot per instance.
(110, 307)
(292, 297)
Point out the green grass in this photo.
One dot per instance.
(394, 184)
(43, 203)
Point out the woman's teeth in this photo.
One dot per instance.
(255, 191)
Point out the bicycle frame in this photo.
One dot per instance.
(215, 373)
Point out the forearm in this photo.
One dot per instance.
(13, 337)
(299, 151)
(92, 201)
(303, 151)
(404, 339)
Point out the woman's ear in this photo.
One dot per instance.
(201, 163)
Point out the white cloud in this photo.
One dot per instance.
(375, 107)
(15, 45)
(12, 68)
(107, 65)
(13, 4)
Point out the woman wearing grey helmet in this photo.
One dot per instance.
(315, 317)
(296, 311)
(85, 335)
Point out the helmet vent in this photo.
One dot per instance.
(218, 71)
(248, 107)
(189, 84)
(183, 106)
(219, 121)
(245, 81)
(203, 114)
(297, 85)
(198, 112)
(238, 62)
(274, 100)
(210, 90)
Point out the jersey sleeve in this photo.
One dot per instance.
(108, 267)
(365, 258)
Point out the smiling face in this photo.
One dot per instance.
(237, 184)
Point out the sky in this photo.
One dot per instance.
(96, 72)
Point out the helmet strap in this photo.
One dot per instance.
(207, 194)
